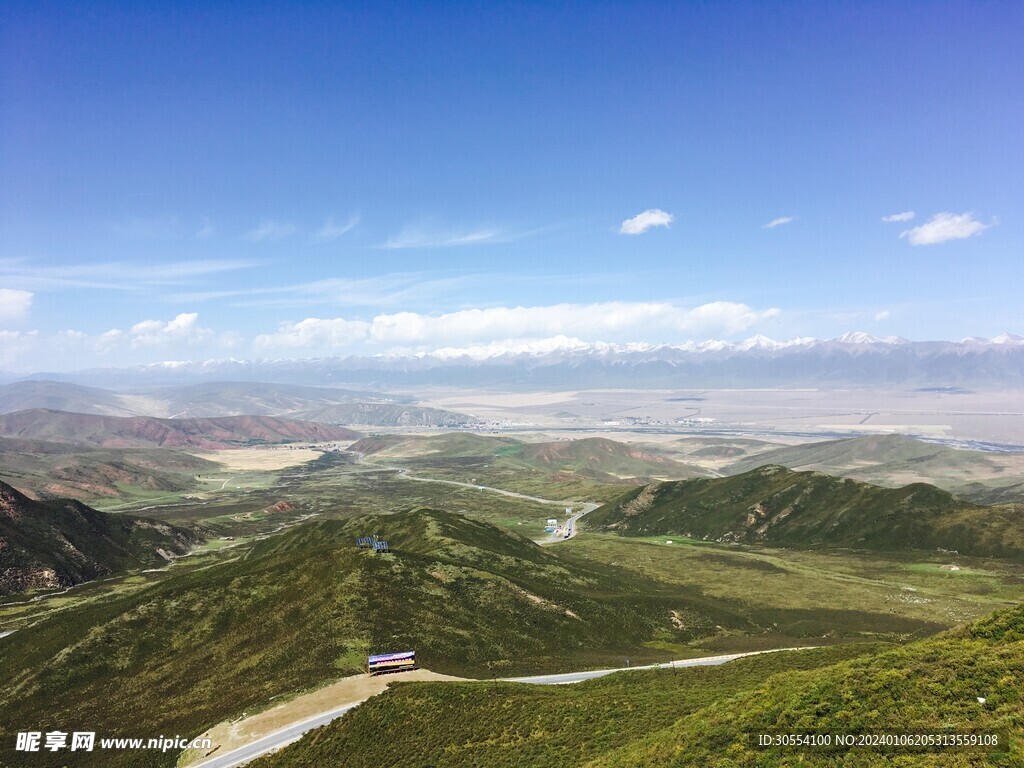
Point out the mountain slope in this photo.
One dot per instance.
(57, 543)
(61, 396)
(703, 716)
(963, 681)
(383, 415)
(46, 469)
(893, 460)
(306, 606)
(508, 725)
(206, 434)
(777, 506)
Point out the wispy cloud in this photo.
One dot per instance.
(206, 230)
(381, 291)
(905, 216)
(885, 314)
(426, 237)
(268, 229)
(652, 217)
(779, 222)
(114, 275)
(945, 226)
(14, 304)
(332, 229)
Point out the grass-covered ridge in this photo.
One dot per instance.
(592, 468)
(505, 725)
(61, 542)
(779, 507)
(306, 606)
(716, 713)
(930, 686)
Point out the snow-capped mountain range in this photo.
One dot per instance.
(854, 358)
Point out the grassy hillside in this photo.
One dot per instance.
(142, 431)
(702, 717)
(894, 460)
(48, 469)
(930, 686)
(506, 725)
(776, 506)
(307, 606)
(382, 415)
(592, 468)
(61, 396)
(57, 543)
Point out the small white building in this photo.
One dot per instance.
(552, 522)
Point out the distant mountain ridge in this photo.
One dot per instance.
(212, 399)
(202, 434)
(776, 506)
(61, 542)
(854, 358)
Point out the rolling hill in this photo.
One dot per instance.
(62, 396)
(306, 606)
(779, 507)
(383, 415)
(963, 681)
(596, 458)
(141, 431)
(894, 460)
(47, 469)
(58, 543)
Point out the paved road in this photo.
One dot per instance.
(292, 733)
(276, 740)
(579, 677)
(570, 524)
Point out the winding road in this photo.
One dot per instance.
(294, 732)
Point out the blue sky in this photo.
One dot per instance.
(185, 181)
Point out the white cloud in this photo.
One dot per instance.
(652, 217)
(779, 222)
(182, 328)
(945, 226)
(270, 230)
(16, 344)
(905, 216)
(416, 237)
(336, 333)
(505, 324)
(332, 229)
(885, 314)
(14, 303)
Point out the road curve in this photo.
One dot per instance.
(570, 523)
(276, 740)
(294, 732)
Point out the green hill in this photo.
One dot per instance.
(61, 542)
(145, 431)
(894, 460)
(932, 686)
(702, 716)
(507, 725)
(592, 468)
(48, 469)
(779, 507)
(382, 415)
(306, 607)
